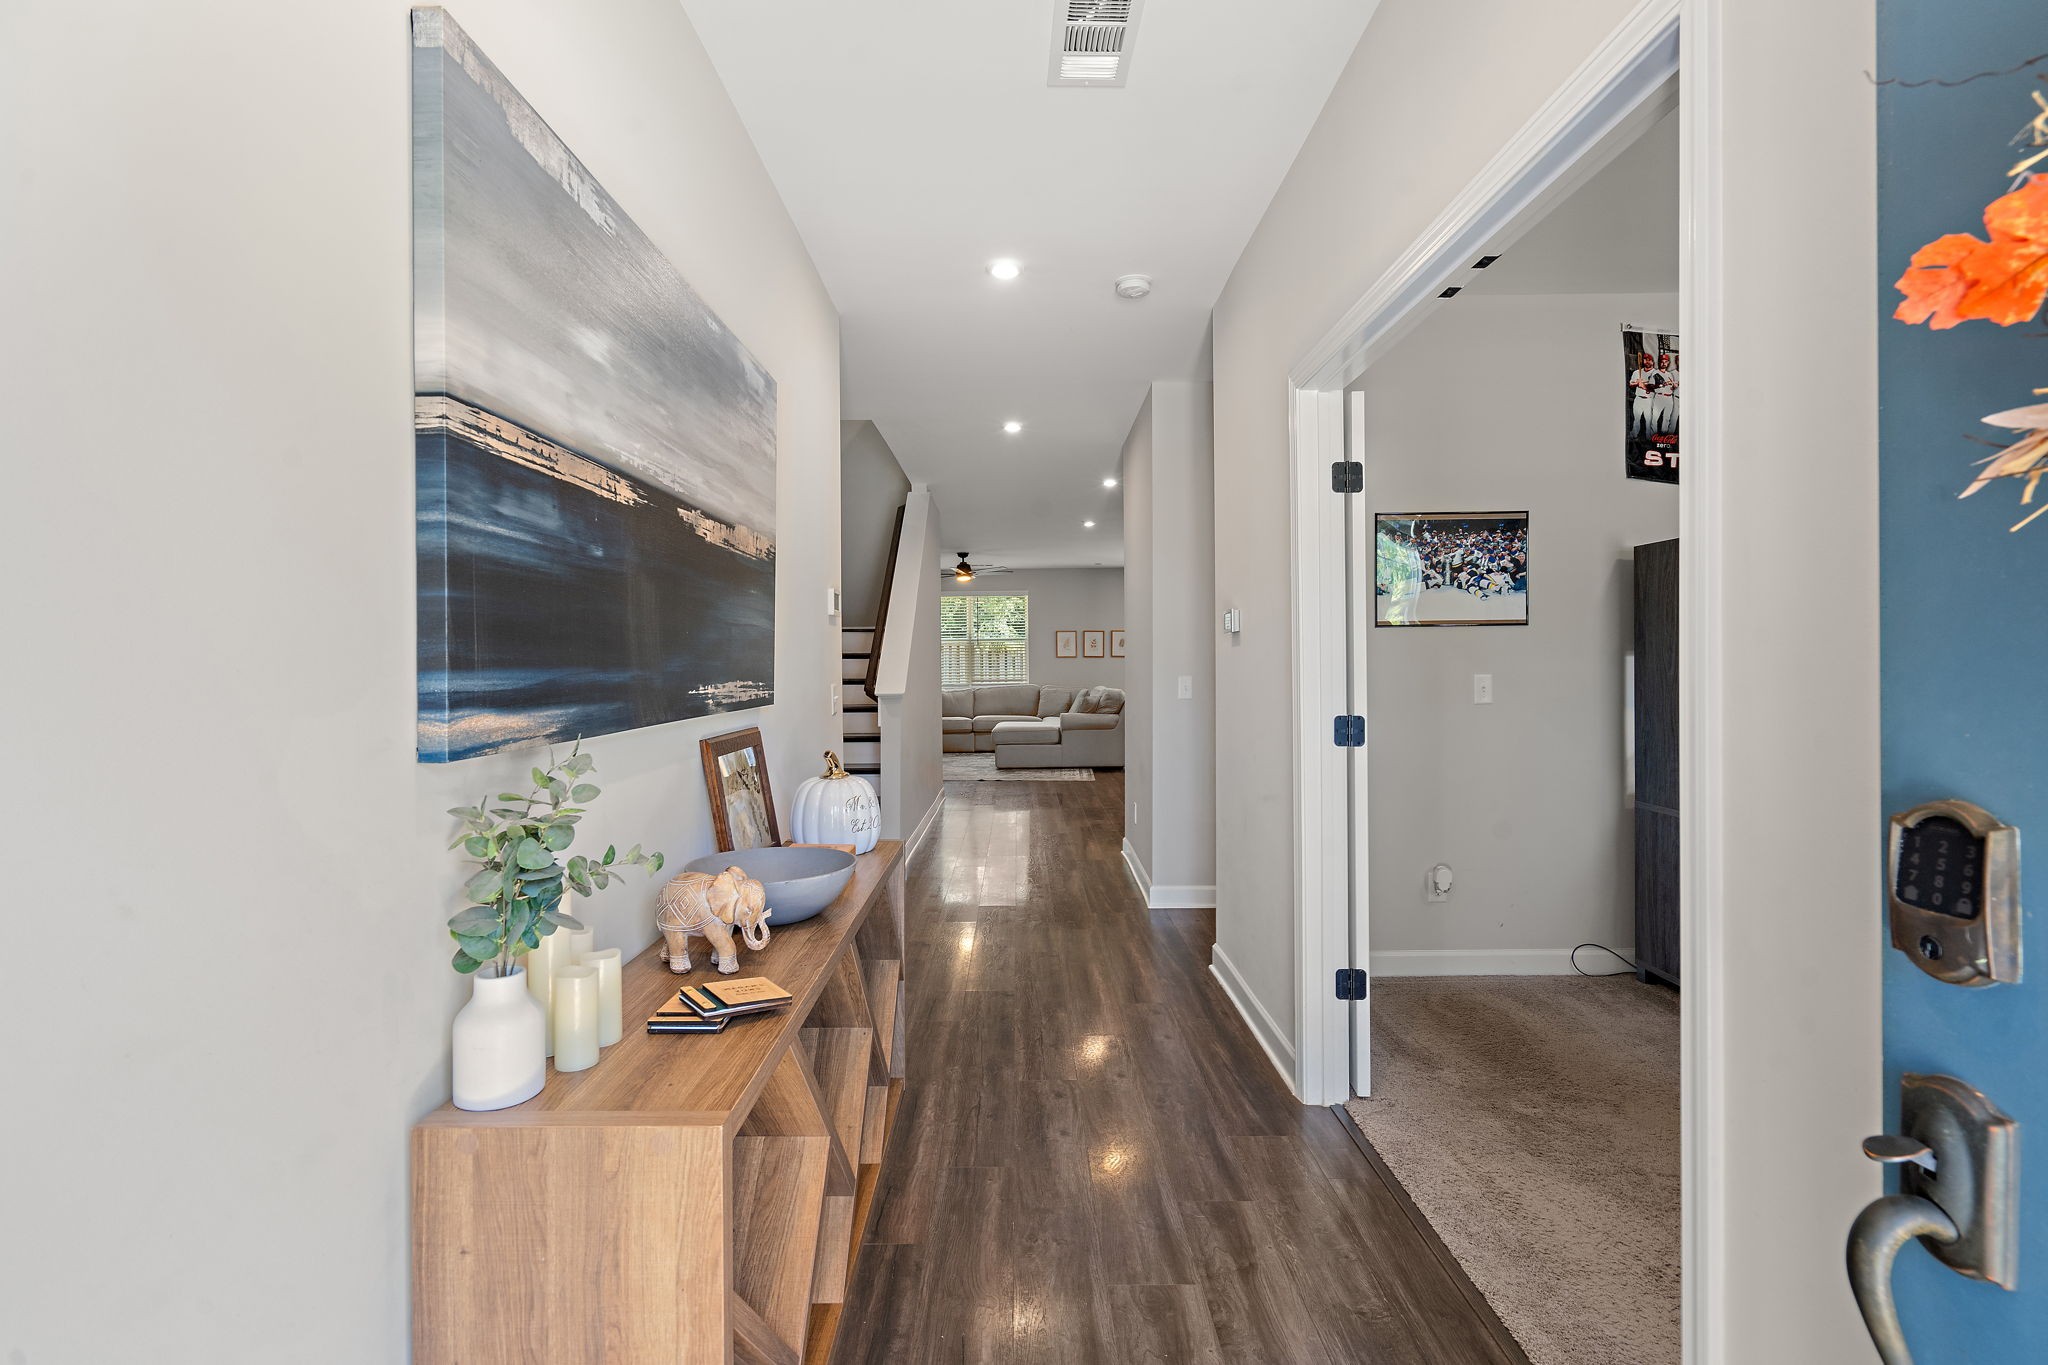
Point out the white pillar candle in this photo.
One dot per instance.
(540, 982)
(611, 1021)
(575, 1018)
(574, 942)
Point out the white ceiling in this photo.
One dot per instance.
(917, 140)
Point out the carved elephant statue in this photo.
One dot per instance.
(711, 907)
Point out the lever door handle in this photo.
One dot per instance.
(1877, 1236)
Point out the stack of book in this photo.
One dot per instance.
(709, 1007)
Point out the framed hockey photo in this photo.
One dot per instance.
(1451, 569)
(1649, 367)
(1066, 644)
(1092, 644)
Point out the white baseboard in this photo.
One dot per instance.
(1136, 867)
(1270, 1035)
(924, 824)
(1165, 897)
(1474, 962)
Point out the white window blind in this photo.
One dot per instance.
(984, 639)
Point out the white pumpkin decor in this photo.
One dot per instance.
(838, 808)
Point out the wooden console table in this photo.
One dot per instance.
(689, 1198)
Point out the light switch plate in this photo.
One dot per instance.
(1482, 689)
(1187, 687)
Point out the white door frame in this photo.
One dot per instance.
(1546, 159)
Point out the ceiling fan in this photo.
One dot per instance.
(964, 572)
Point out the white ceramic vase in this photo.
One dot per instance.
(500, 1042)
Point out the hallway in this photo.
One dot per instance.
(1094, 1162)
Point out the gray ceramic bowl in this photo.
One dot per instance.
(799, 881)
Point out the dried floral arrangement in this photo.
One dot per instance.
(1961, 278)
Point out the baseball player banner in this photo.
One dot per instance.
(1649, 364)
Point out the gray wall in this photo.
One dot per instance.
(908, 690)
(1061, 599)
(1169, 567)
(1524, 797)
(1790, 1055)
(872, 487)
(222, 745)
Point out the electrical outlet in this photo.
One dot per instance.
(1187, 687)
(1482, 689)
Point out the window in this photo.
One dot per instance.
(984, 639)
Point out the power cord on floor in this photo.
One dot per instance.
(1632, 968)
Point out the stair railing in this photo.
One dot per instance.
(882, 611)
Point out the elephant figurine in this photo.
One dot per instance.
(711, 907)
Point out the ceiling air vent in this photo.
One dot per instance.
(1091, 41)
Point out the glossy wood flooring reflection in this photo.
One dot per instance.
(1096, 1162)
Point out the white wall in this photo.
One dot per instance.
(872, 487)
(907, 683)
(1169, 565)
(1062, 599)
(235, 1000)
(1524, 798)
(1432, 93)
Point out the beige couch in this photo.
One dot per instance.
(1041, 728)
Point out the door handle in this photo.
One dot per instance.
(1958, 1160)
(1877, 1236)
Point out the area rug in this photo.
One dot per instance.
(982, 768)
(1534, 1122)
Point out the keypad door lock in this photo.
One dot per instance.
(1954, 884)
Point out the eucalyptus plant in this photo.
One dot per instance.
(515, 898)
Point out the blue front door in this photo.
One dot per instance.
(1964, 598)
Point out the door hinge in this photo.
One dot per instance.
(1352, 983)
(1350, 732)
(1347, 476)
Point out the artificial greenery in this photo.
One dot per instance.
(516, 895)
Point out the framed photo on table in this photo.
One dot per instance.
(1093, 644)
(742, 804)
(1064, 644)
(1116, 644)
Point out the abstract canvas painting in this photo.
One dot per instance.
(594, 450)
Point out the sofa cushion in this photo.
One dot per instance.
(1028, 732)
(956, 701)
(986, 724)
(1108, 701)
(1053, 700)
(957, 725)
(1010, 699)
(1090, 720)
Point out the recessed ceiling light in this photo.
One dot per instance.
(1013, 427)
(1109, 482)
(1005, 269)
(1089, 524)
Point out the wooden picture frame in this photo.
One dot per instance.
(1093, 644)
(1065, 644)
(1116, 644)
(742, 801)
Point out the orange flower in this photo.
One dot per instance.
(1958, 277)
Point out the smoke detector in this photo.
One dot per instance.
(1091, 41)
(1133, 286)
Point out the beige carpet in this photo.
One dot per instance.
(1534, 1121)
(982, 768)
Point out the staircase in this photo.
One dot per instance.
(860, 720)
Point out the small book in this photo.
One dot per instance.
(724, 999)
(675, 1017)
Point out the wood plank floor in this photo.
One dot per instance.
(1094, 1161)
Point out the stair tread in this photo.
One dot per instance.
(864, 769)
(863, 654)
(863, 706)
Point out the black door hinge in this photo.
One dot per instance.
(1347, 476)
(1352, 983)
(1350, 732)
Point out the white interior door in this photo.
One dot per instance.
(1360, 606)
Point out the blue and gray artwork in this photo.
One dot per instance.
(595, 453)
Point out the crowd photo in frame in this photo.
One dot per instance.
(1649, 367)
(1451, 569)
